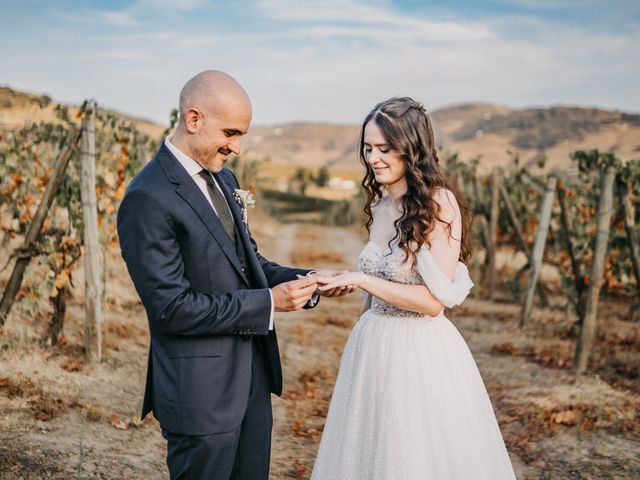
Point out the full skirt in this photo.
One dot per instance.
(409, 403)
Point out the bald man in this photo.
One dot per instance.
(209, 295)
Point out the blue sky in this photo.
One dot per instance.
(328, 60)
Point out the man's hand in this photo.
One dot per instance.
(291, 296)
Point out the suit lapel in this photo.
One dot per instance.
(191, 194)
(241, 229)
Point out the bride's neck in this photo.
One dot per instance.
(396, 191)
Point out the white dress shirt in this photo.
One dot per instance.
(193, 168)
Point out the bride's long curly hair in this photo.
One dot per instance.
(407, 129)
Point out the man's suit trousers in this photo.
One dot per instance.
(241, 454)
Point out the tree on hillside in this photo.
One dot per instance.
(301, 179)
(323, 176)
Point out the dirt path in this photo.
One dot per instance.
(56, 411)
(311, 344)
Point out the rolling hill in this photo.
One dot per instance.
(492, 132)
(472, 130)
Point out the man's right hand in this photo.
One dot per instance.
(291, 296)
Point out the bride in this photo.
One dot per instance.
(409, 402)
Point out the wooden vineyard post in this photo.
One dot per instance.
(35, 227)
(91, 254)
(588, 324)
(492, 241)
(567, 230)
(142, 153)
(632, 234)
(519, 233)
(538, 248)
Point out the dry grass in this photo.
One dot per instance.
(315, 257)
(44, 406)
(60, 415)
(309, 249)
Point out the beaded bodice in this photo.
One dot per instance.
(389, 265)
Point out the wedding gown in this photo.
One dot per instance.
(409, 402)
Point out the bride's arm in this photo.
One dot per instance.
(445, 249)
(416, 298)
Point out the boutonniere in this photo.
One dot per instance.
(245, 200)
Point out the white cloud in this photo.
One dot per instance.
(346, 13)
(333, 60)
(118, 19)
(102, 17)
(170, 5)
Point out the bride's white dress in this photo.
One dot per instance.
(409, 402)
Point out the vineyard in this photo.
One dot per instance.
(589, 234)
(557, 260)
(42, 200)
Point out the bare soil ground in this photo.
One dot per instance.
(61, 418)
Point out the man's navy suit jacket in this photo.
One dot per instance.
(204, 297)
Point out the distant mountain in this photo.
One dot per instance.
(492, 132)
(556, 131)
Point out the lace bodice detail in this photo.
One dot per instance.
(391, 265)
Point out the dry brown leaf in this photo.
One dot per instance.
(72, 366)
(137, 423)
(119, 422)
(566, 417)
(314, 434)
(298, 469)
(503, 349)
(43, 416)
(94, 413)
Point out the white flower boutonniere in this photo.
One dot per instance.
(246, 201)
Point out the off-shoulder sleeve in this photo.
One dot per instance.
(449, 292)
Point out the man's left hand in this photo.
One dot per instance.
(338, 291)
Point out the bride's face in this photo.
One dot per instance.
(388, 165)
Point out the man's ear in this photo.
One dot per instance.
(192, 120)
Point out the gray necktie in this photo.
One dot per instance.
(220, 204)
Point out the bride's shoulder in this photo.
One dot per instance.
(446, 200)
(443, 195)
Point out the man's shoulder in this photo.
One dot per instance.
(229, 177)
(152, 180)
(148, 177)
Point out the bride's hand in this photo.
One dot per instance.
(323, 277)
(347, 280)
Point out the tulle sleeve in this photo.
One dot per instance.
(449, 292)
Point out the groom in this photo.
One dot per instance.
(209, 295)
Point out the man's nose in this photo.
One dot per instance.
(234, 146)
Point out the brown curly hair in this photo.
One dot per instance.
(407, 129)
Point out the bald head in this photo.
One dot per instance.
(215, 112)
(212, 91)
